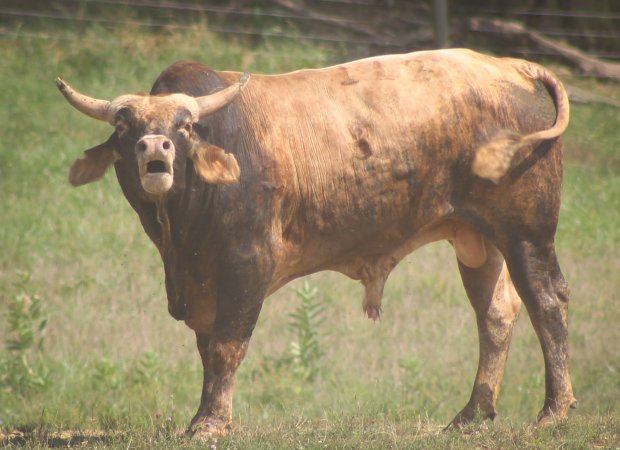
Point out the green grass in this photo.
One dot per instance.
(122, 373)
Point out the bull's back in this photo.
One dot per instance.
(368, 151)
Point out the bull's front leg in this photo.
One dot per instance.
(220, 361)
(240, 296)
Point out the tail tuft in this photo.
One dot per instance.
(493, 159)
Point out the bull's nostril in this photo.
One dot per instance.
(166, 145)
(141, 146)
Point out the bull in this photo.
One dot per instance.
(246, 184)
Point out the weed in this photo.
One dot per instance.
(21, 367)
(305, 321)
(107, 373)
(146, 369)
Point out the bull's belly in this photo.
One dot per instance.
(372, 259)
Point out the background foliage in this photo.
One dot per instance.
(376, 26)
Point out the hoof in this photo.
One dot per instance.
(461, 419)
(550, 415)
(466, 417)
(208, 429)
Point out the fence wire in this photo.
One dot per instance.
(240, 21)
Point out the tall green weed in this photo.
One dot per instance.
(305, 322)
(22, 366)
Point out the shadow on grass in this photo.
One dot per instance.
(62, 439)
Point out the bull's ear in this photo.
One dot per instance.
(214, 165)
(94, 164)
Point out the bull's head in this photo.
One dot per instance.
(150, 132)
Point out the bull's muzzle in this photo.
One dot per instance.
(155, 155)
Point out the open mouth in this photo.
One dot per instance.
(155, 158)
(156, 167)
(156, 177)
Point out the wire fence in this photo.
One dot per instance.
(26, 17)
(380, 25)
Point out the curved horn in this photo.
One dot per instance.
(208, 104)
(92, 107)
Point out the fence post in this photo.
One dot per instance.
(440, 13)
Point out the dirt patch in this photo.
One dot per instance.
(67, 438)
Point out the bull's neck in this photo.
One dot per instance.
(166, 231)
(183, 243)
(184, 217)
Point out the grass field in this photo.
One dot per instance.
(90, 356)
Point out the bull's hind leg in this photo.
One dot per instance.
(497, 305)
(541, 285)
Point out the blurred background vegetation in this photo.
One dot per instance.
(86, 344)
(372, 26)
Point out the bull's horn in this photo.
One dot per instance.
(92, 107)
(208, 104)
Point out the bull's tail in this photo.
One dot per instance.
(493, 160)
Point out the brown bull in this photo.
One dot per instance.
(244, 185)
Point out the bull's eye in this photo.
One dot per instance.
(186, 128)
(121, 127)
